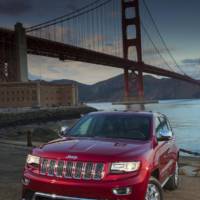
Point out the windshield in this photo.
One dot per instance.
(112, 126)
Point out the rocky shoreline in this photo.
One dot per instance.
(14, 119)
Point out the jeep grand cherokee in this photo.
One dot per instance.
(105, 155)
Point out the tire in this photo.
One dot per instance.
(154, 190)
(173, 182)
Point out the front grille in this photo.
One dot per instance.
(78, 170)
(69, 169)
(72, 169)
(88, 170)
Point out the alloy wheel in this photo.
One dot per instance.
(152, 192)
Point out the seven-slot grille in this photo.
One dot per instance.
(72, 169)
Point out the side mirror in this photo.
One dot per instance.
(165, 135)
(63, 131)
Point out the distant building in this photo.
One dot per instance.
(32, 94)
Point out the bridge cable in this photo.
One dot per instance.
(62, 19)
(155, 47)
(66, 15)
(162, 39)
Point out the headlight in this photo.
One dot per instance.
(33, 160)
(119, 167)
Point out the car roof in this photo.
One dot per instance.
(125, 112)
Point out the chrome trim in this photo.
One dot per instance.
(72, 169)
(83, 170)
(68, 171)
(44, 166)
(102, 172)
(76, 170)
(54, 196)
(128, 193)
(58, 168)
(90, 171)
(53, 169)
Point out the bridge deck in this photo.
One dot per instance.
(44, 47)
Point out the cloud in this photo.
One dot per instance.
(53, 69)
(33, 77)
(195, 61)
(14, 7)
(192, 67)
(152, 51)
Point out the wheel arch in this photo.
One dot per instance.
(156, 173)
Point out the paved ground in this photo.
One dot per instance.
(11, 166)
(189, 190)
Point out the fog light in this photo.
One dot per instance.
(25, 181)
(122, 191)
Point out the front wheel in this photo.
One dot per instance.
(154, 190)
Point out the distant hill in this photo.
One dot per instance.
(112, 89)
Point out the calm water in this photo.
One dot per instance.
(184, 116)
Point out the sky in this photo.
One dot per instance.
(177, 21)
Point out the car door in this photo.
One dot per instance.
(172, 153)
(164, 149)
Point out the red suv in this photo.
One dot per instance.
(105, 155)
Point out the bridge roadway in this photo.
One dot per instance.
(44, 47)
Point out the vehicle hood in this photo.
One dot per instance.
(86, 148)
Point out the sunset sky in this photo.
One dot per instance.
(177, 20)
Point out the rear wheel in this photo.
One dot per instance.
(173, 182)
(154, 190)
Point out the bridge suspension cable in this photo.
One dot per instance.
(162, 39)
(84, 10)
(156, 48)
(63, 16)
(95, 27)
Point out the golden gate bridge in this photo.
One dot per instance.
(104, 32)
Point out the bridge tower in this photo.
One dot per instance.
(135, 42)
(13, 56)
(21, 52)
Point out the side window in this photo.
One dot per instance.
(158, 127)
(161, 125)
(157, 124)
(164, 124)
(170, 127)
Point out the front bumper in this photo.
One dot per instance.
(53, 196)
(50, 188)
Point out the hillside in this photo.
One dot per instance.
(159, 89)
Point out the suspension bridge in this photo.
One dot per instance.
(105, 32)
